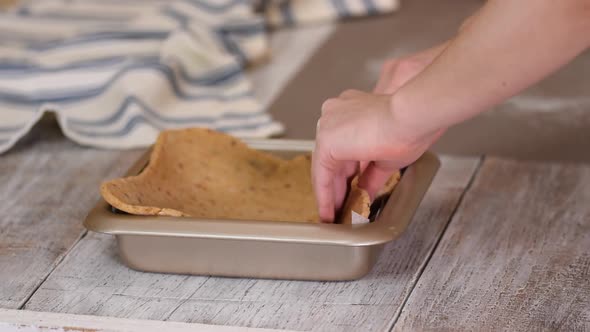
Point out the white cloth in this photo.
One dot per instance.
(297, 12)
(115, 73)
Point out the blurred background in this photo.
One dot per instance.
(308, 63)
(550, 121)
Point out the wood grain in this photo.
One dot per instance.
(24, 320)
(49, 183)
(47, 186)
(93, 281)
(515, 257)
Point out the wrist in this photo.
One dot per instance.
(412, 124)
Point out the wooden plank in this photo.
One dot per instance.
(48, 185)
(33, 321)
(92, 280)
(515, 257)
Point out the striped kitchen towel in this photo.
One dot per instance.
(296, 12)
(115, 73)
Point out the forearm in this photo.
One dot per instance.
(506, 47)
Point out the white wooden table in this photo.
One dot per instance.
(496, 244)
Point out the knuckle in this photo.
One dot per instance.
(322, 152)
(328, 105)
(324, 185)
(348, 92)
(327, 159)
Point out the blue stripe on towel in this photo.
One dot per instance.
(131, 100)
(19, 69)
(223, 33)
(140, 119)
(26, 12)
(232, 47)
(100, 37)
(10, 129)
(371, 7)
(287, 13)
(129, 106)
(247, 29)
(129, 126)
(217, 76)
(216, 7)
(182, 19)
(214, 77)
(253, 27)
(341, 8)
(67, 96)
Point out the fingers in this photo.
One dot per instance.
(351, 93)
(375, 176)
(323, 184)
(330, 180)
(347, 131)
(332, 104)
(340, 189)
(330, 177)
(329, 105)
(350, 169)
(327, 184)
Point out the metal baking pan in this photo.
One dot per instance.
(263, 249)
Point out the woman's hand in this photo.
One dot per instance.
(397, 72)
(506, 47)
(358, 133)
(359, 126)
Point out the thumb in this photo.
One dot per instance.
(375, 176)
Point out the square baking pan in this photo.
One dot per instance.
(264, 249)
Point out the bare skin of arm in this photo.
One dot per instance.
(503, 49)
(396, 72)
